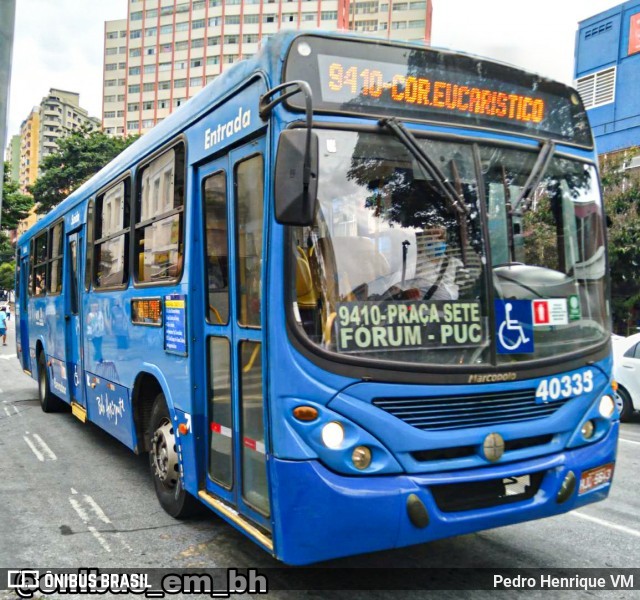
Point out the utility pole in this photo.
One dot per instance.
(7, 21)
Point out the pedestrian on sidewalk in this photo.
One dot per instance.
(3, 327)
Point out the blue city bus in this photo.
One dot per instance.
(352, 296)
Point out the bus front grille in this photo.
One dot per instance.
(472, 410)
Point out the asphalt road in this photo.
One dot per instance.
(72, 496)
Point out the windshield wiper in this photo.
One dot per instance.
(537, 173)
(535, 177)
(455, 201)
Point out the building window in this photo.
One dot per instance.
(213, 41)
(110, 114)
(135, 34)
(179, 83)
(136, 16)
(197, 24)
(160, 202)
(328, 15)
(196, 62)
(147, 124)
(598, 29)
(232, 19)
(110, 51)
(134, 70)
(231, 39)
(134, 89)
(598, 88)
(251, 19)
(149, 87)
(151, 31)
(166, 28)
(135, 52)
(195, 82)
(133, 107)
(183, 45)
(182, 26)
(199, 43)
(132, 125)
(109, 82)
(150, 51)
(150, 68)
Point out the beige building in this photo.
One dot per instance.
(29, 149)
(165, 51)
(60, 112)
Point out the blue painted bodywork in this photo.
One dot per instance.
(321, 506)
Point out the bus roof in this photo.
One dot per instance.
(269, 61)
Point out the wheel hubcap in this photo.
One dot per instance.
(164, 455)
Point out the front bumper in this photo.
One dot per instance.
(319, 514)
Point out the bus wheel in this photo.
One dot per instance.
(48, 401)
(163, 460)
(623, 401)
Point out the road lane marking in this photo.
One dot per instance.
(608, 524)
(6, 409)
(44, 447)
(84, 517)
(629, 441)
(100, 514)
(37, 452)
(15, 409)
(96, 534)
(96, 509)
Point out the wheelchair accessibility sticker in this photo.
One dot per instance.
(514, 326)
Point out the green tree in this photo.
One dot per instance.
(15, 205)
(622, 205)
(80, 154)
(7, 250)
(7, 275)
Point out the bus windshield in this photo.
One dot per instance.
(392, 269)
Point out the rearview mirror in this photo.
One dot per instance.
(295, 201)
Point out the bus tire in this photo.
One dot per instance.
(48, 402)
(624, 403)
(163, 461)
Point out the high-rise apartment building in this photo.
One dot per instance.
(12, 156)
(60, 112)
(29, 149)
(167, 50)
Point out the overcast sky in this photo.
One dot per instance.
(59, 43)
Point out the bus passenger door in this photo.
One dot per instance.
(232, 191)
(22, 314)
(73, 320)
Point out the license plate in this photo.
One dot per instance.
(594, 478)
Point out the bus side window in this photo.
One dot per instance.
(159, 218)
(216, 238)
(250, 199)
(40, 260)
(112, 233)
(56, 248)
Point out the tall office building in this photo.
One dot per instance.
(607, 71)
(167, 50)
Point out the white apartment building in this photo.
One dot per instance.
(165, 51)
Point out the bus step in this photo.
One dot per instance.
(238, 519)
(78, 411)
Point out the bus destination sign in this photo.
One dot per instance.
(343, 80)
(419, 83)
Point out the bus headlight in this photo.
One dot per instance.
(607, 406)
(332, 435)
(361, 457)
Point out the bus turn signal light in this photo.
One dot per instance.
(305, 413)
(183, 429)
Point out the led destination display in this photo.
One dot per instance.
(429, 85)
